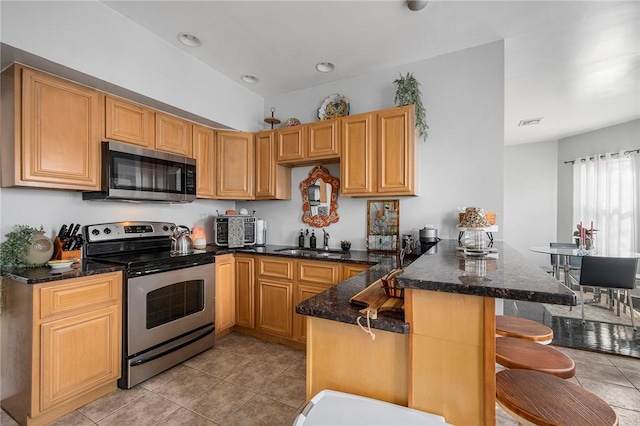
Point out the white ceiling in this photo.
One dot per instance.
(574, 63)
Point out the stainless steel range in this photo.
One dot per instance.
(168, 306)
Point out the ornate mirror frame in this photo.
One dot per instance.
(320, 221)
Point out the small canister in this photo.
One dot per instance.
(428, 234)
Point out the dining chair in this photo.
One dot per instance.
(557, 261)
(609, 273)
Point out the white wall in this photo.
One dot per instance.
(92, 38)
(625, 136)
(530, 197)
(461, 163)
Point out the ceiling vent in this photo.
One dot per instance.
(530, 122)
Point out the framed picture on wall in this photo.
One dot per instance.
(383, 225)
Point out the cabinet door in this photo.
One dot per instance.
(358, 155)
(78, 353)
(302, 293)
(235, 165)
(291, 146)
(352, 269)
(275, 307)
(396, 151)
(324, 140)
(225, 292)
(60, 133)
(173, 134)
(245, 292)
(129, 122)
(273, 180)
(204, 153)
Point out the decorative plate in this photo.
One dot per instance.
(334, 106)
(60, 264)
(290, 122)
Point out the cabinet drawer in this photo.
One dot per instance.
(275, 268)
(324, 273)
(352, 269)
(79, 294)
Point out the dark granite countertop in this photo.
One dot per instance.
(506, 274)
(45, 274)
(88, 267)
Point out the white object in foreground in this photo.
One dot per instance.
(338, 408)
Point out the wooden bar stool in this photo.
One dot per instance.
(512, 352)
(537, 398)
(523, 328)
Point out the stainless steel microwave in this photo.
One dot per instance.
(131, 173)
(235, 231)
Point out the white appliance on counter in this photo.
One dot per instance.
(261, 232)
(235, 231)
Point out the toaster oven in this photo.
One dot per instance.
(235, 231)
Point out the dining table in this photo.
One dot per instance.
(566, 253)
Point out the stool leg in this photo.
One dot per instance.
(631, 311)
(582, 303)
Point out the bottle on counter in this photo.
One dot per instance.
(301, 239)
(312, 240)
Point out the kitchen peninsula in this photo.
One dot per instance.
(441, 357)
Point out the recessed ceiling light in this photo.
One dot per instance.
(248, 78)
(325, 66)
(189, 40)
(416, 5)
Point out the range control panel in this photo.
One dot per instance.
(123, 230)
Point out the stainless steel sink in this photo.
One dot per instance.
(293, 251)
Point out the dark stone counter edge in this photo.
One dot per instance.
(44, 274)
(529, 296)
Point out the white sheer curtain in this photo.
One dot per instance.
(605, 191)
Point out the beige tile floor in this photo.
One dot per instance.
(245, 381)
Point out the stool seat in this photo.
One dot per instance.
(543, 399)
(512, 352)
(523, 328)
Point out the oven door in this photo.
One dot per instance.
(167, 305)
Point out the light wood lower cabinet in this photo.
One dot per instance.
(61, 345)
(225, 294)
(275, 307)
(352, 269)
(245, 291)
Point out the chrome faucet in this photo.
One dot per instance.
(325, 246)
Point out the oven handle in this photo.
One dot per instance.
(167, 352)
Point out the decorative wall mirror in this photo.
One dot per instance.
(320, 198)
(383, 225)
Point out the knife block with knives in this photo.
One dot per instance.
(67, 243)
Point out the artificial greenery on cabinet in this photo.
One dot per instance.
(408, 93)
(14, 248)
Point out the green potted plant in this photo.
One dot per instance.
(15, 250)
(408, 93)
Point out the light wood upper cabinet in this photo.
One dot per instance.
(273, 180)
(204, 151)
(358, 174)
(129, 122)
(173, 134)
(235, 158)
(396, 151)
(291, 144)
(309, 143)
(245, 291)
(51, 131)
(225, 293)
(323, 140)
(378, 153)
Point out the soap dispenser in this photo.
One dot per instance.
(312, 240)
(301, 239)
